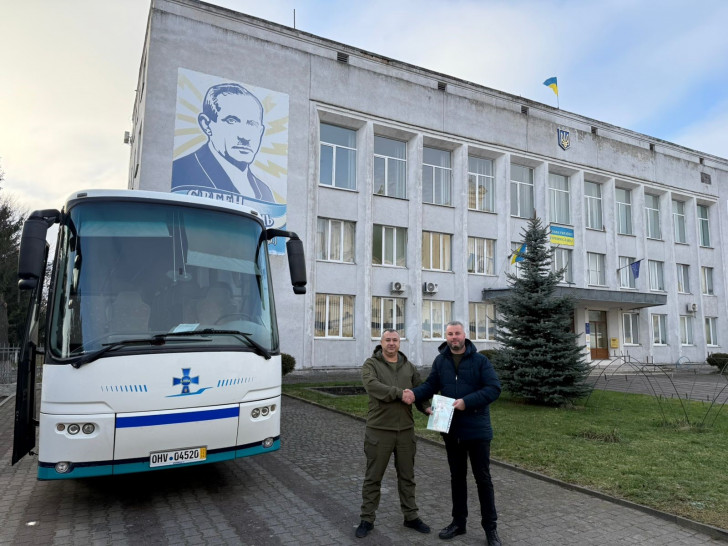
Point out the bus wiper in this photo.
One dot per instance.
(159, 339)
(259, 349)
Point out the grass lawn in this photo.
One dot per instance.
(661, 453)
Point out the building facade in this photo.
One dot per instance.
(411, 190)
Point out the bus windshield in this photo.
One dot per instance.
(128, 270)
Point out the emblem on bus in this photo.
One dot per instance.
(186, 380)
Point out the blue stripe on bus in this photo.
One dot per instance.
(46, 471)
(172, 418)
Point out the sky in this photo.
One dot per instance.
(69, 69)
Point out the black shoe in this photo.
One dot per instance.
(363, 529)
(451, 531)
(493, 538)
(417, 525)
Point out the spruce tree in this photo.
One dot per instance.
(539, 360)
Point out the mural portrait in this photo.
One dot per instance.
(231, 144)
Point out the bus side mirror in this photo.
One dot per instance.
(296, 265)
(32, 255)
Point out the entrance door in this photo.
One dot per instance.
(598, 335)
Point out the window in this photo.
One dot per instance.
(387, 313)
(657, 275)
(659, 329)
(334, 316)
(436, 251)
(631, 328)
(704, 225)
(482, 318)
(560, 206)
(593, 205)
(706, 281)
(626, 275)
(652, 216)
(596, 268)
(335, 240)
(389, 246)
(435, 316)
(521, 191)
(481, 256)
(436, 176)
(338, 157)
(562, 260)
(481, 184)
(624, 211)
(686, 330)
(683, 278)
(711, 331)
(390, 167)
(678, 221)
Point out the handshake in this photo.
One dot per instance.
(408, 397)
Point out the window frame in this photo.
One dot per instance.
(626, 275)
(444, 250)
(659, 335)
(446, 182)
(711, 331)
(657, 275)
(476, 181)
(428, 306)
(557, 262)
(624, 212)
(707, 286)
(481, 252)
(704, 226)
(678, 222)
(593, 206)
(559, 199)
(487, 310)
(686, 330)
(634, 326)
(683, 278)
(402, 231)
(335, 147)
(652, 218)
(327, 302)
(518, 189)
(328, 239)
(388, 162)
(596, 264)
(396, 318)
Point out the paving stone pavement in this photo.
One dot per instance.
(308, 493)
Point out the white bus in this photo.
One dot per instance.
(161, 345)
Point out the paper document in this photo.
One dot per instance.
(441, 416)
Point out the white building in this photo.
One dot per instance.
(410, 189)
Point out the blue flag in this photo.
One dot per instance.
(635, 269)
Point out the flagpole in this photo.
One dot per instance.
(629, 264)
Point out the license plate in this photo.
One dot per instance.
(177, 456)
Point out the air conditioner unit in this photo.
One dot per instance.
(429, 288)
(398, 286)
(692, 307)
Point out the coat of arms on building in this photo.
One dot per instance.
(563, 138)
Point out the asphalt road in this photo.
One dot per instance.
(306, 493)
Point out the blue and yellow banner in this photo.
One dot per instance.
(562, 236)
(518, 255)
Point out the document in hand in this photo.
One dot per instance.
(441, 416)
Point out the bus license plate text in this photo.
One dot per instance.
(177, 456)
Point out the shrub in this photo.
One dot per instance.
(288, 363)
(490, 354)
(719, 360)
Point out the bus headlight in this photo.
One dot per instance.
(63, 467)
(73, 429)
(255, 413)
(268, 442)
(264, 411)
(88, 428)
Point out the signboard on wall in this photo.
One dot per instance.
(562, 236)
(231, 144)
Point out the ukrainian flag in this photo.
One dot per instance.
(518, 254)
(551, 82)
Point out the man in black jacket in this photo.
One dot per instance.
(462, 373)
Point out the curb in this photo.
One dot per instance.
(710, 530)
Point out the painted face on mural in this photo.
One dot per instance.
(238, 130)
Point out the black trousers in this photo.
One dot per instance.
(458, 452)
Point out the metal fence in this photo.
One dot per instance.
(8, 364)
